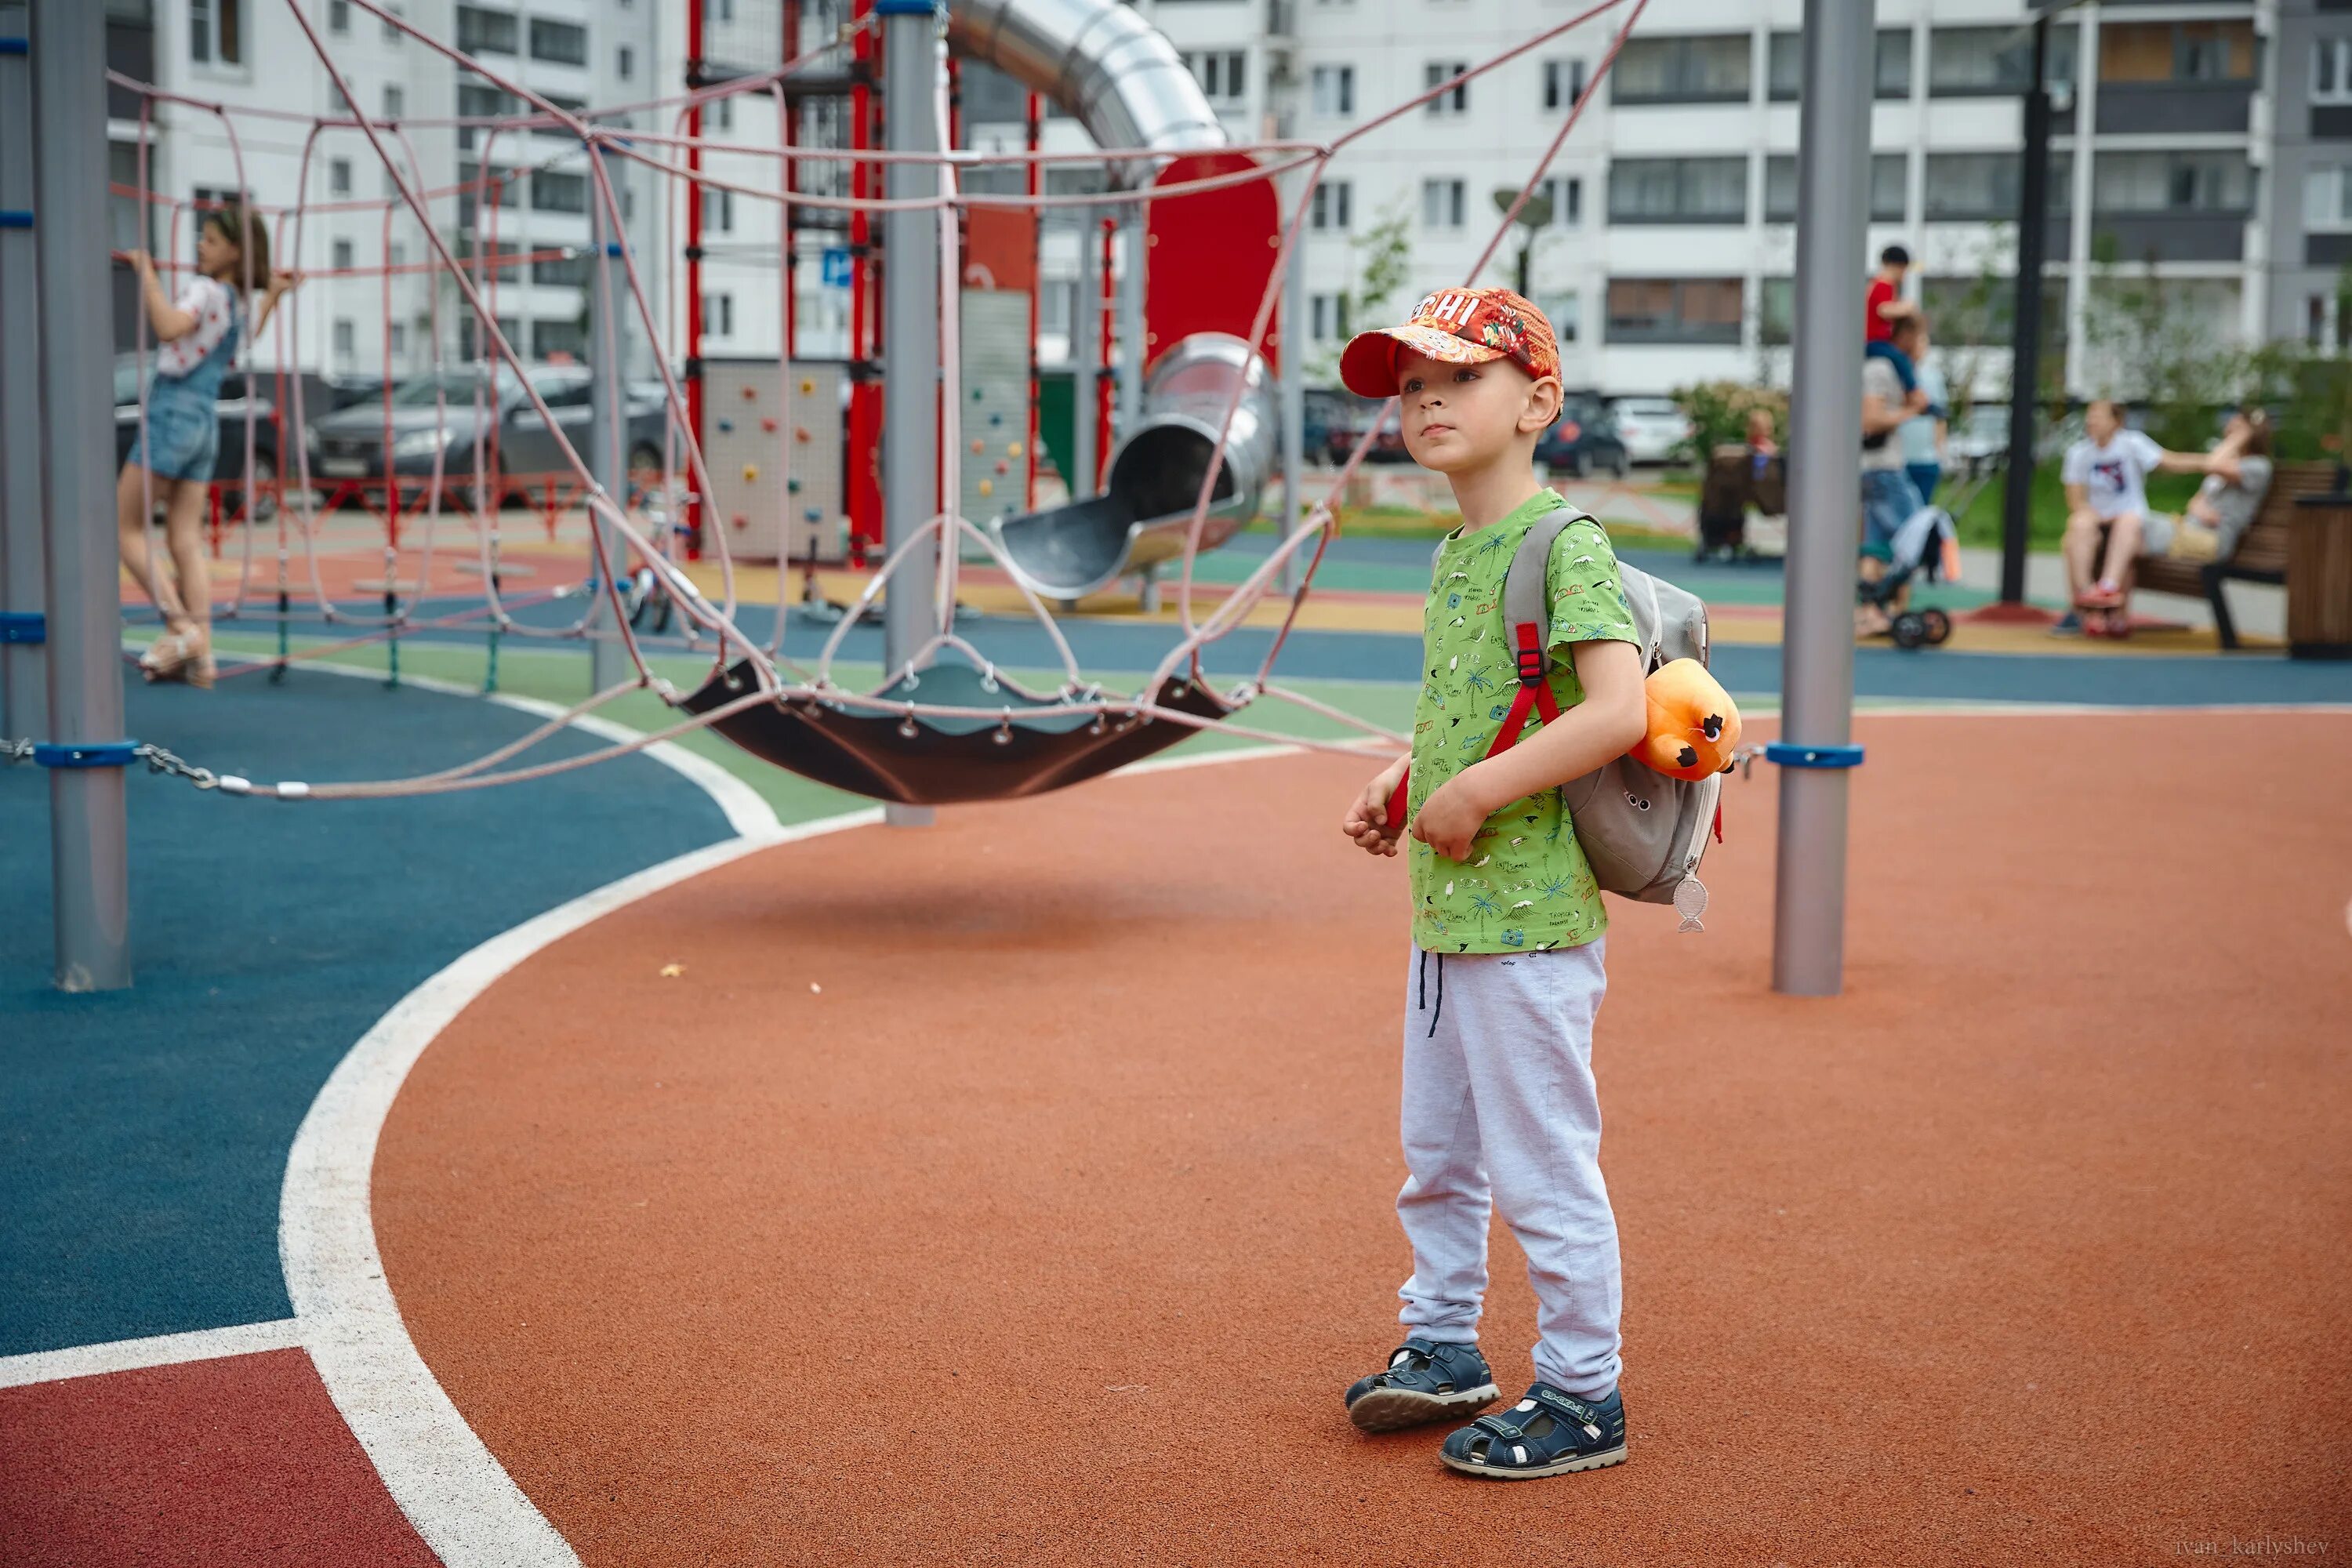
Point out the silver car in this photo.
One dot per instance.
(347, 447)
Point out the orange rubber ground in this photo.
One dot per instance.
(1051, 1229)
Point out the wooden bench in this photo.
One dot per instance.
(2261, 555)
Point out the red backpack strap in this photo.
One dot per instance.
(1534, 694)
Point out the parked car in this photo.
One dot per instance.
(348, 445)
(1653, 429)
(1585, 441)
(233, 407)
(1342, 418)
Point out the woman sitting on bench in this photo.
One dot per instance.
(2238, 474)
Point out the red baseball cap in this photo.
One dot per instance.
(1459, 326)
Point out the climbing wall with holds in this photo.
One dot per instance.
(995, 412)
(746, 427)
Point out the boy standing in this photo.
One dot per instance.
(1500, 1104)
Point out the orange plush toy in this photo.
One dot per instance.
(1693, 724)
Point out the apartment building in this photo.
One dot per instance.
(254, 55)
(2311, 158)
(1671, 246)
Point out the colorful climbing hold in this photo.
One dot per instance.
(988, 487)
(800, 434)
(727, 426)
(808, 387)
(750, 473)
(751, 394)
(979, 446)
(1002, 466)
(769, 425)
(1012, 449)
(791, 487)
(814, 515)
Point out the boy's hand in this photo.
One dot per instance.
(283, 282)
(1367, 820)
(1450, 818)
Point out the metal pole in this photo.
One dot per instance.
(1824, 485)
(88, 856)
(608, 443)
(1132, 350)
(1294, 408)
(911, 348)
(1085, 352)
(23, 686)
(2025, 342)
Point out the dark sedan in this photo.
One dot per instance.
(235, 407)
(1584, 442)
(348, 445)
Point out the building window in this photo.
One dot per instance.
(216, 32)
(1785, 65)
(1327, 317)
(722, 114)
(718, 315)
(1708, 68)
(1675, 310)
(396, 256)
(2327, 198)
(1333, 90)
(1456, 100)
(569, 105)
(1889, 187)
(1994, 62)
(339, 176)
(2151, 52)
(553, 191)
(1220, 72)
(624, 63)
(341, 252)
(1329, 207)
(717, 210)
(346, 338)
(2158, 182)
(399, 334)
(1563, 84)
(1445, 204)
(552, 338)
(396, 100)
(481, 31)
(568, 270)
(2331, 71)
(558, 42)
(338, 18)
(391, 33)
(1566, 194)
(1566, 313)
(1973, 185)
(1679, 190)
(131, 223)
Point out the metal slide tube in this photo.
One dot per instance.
(910, 346)
(90, 859)
(1114, 72)
(1824, 491)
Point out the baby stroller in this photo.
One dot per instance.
(1925, 542)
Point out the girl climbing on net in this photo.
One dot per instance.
(172, 456)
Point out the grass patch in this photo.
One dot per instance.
(1980, 524)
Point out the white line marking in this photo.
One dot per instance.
(155, 1350)
(450, 1486)
(747, 811)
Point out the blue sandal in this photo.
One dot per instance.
(1425, 1381)
(1546, 1433)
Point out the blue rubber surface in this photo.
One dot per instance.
(143, 1133)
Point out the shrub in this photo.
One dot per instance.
(1719, 412)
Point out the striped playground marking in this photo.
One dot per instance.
(152, 1349)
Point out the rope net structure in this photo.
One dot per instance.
(643, 523)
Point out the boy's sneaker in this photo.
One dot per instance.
(1546, 1433)
(1426, 1381)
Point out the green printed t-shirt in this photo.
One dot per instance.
(1526, 884)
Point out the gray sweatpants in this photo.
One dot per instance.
(1500, 1112)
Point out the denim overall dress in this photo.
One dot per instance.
(182, 435)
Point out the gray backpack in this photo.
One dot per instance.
(1642, 832)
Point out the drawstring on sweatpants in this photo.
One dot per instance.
(1424, 1004)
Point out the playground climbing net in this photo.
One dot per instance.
(633, 542)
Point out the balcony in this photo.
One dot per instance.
(2172, 237)
(2141, 108)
